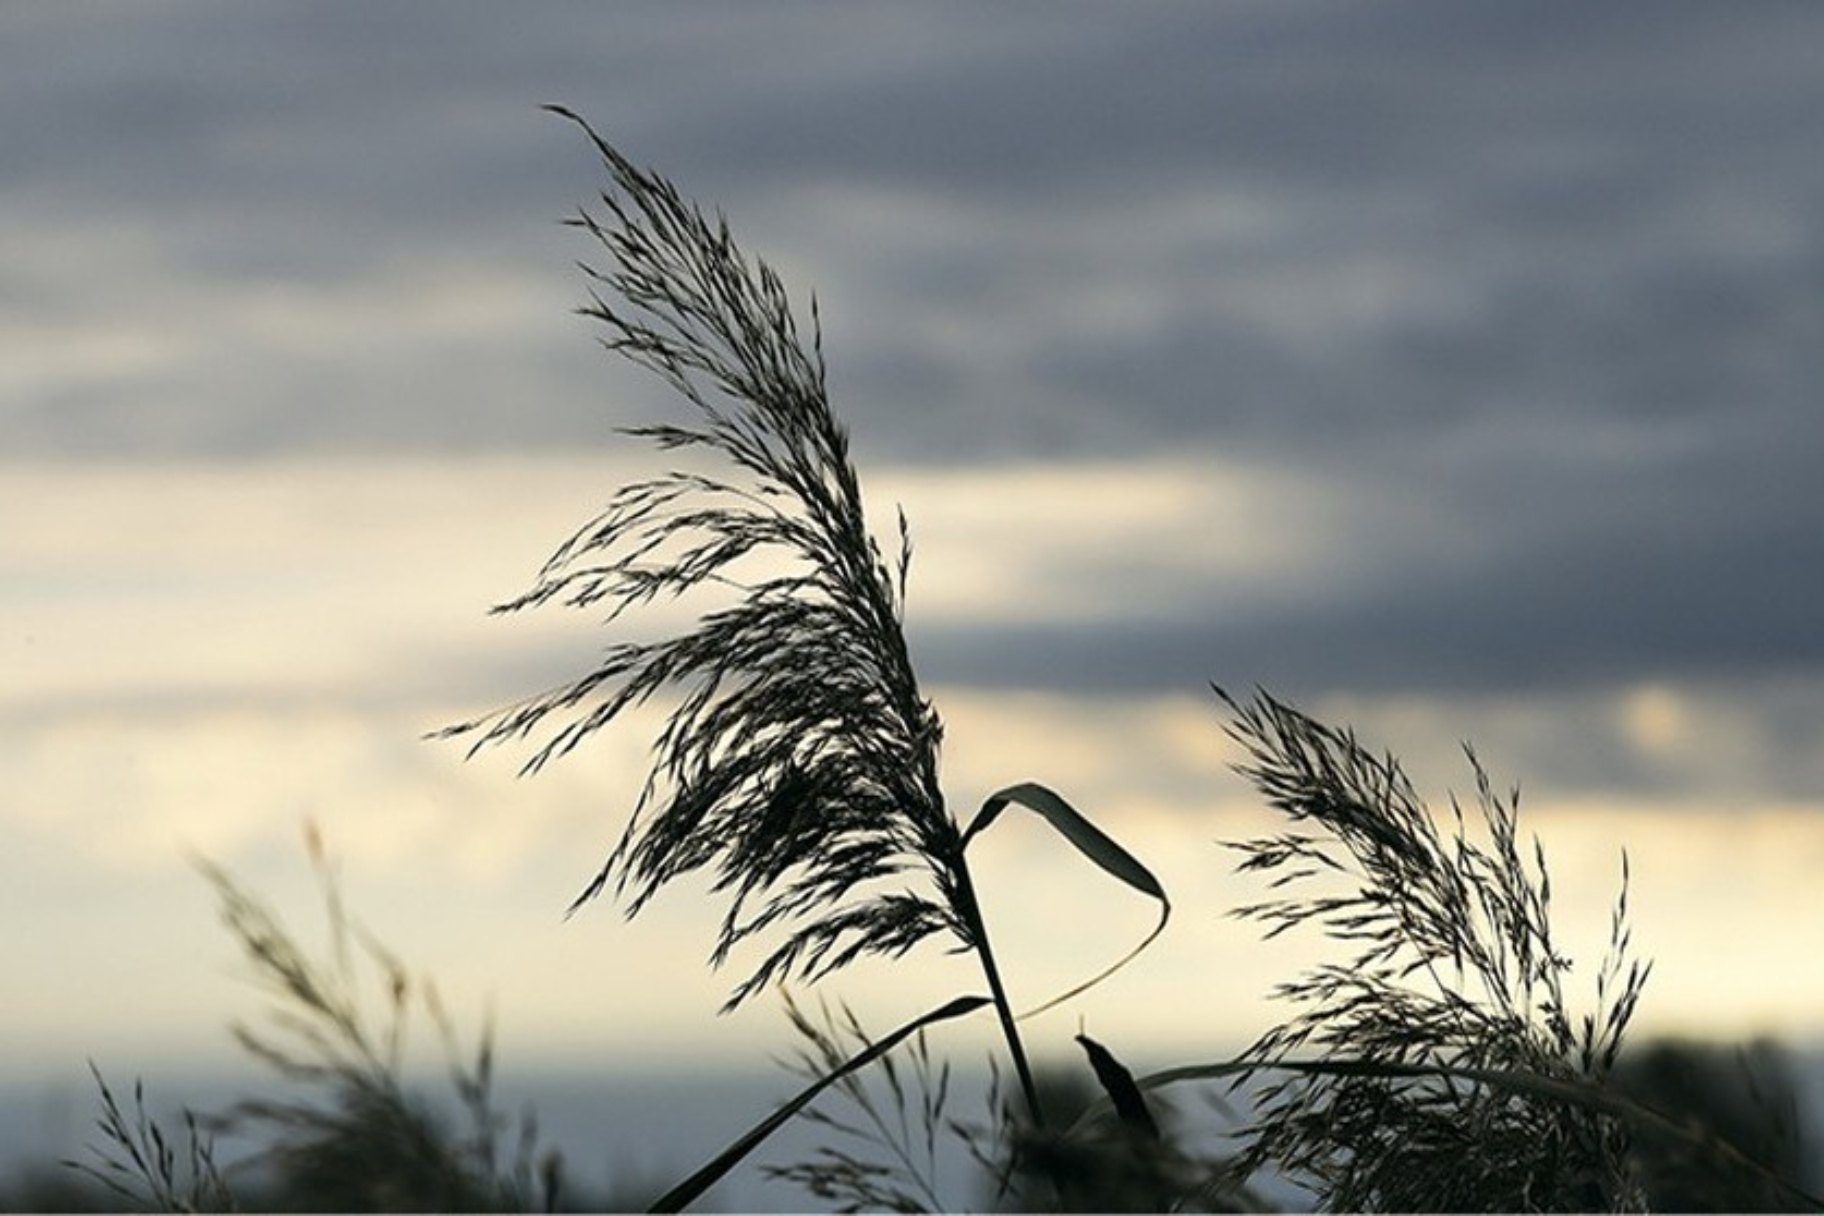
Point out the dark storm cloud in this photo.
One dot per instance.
(1698, 557)
(1558, 265)
(1589, 615)
(1620, 203)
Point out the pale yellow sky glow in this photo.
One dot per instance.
(198, 659)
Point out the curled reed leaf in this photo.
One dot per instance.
(1093, 843)
(799, 762)
(1069, 823)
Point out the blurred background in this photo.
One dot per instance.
(1451, 370)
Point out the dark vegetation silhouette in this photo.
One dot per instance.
(1437, 1064)
(1745, 1096)
(349, 1130)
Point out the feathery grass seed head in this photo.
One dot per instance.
(799, 765)
(1452, 969)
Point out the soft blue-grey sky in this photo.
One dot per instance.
(1454, 368)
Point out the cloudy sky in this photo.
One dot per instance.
(1453, 369)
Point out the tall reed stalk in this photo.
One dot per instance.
(799, 761)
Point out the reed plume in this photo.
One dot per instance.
(1438, 1066)
(800, 763)
(799, 760)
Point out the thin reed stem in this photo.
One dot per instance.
(969, 909)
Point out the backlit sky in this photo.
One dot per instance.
(1453, 369)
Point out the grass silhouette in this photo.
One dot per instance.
(800, 762)
(346, 1130)
(1437, 1065)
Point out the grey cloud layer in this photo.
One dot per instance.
(1561, 267)
(1217, 224)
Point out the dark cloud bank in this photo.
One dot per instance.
(1560, 266)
